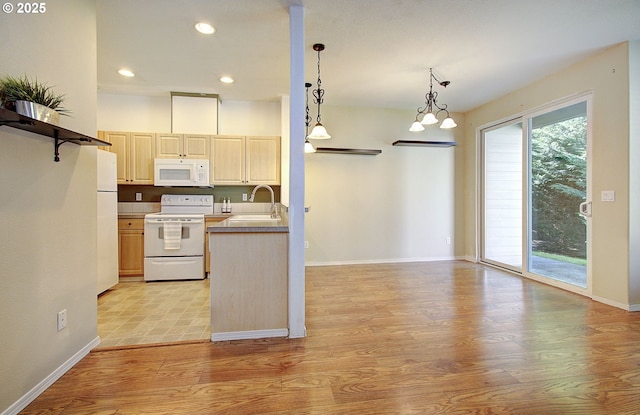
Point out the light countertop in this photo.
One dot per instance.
(228, 226)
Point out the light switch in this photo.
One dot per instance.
(608, 196)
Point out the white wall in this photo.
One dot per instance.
(118, 112)
(396, 206)
(47, 209)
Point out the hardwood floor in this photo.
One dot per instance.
(418, 338)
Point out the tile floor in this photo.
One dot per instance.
(141, 312)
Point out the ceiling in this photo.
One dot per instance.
(377, 51)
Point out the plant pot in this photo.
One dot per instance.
(37, 112)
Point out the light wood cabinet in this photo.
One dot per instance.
(240, 160)
(131, 247)
(248, 285)
(135, 153)
(194, 146)
(207, 255)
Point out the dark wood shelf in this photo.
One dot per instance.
(356, 151)
(415, 143)
(60, 135)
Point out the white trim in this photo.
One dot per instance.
(251, 334)
(383, 261)
(30, 396)
(627, 307)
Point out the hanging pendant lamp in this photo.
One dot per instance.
(318, 132)
(431, 101)
(308, 147)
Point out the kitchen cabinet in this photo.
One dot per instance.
(207, 256)
(249, 280)
(240, 160)
(131, 247)
(194, 146)
(135, 152)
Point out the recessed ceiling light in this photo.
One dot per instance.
(126, 72)
(226, 79)
(205, 28)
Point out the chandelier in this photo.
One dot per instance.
(428, 117)
(318, 132)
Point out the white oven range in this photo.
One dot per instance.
(174, 238)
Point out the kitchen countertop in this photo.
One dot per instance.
(227, 226)
(140, 215)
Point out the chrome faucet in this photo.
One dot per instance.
(274, 210)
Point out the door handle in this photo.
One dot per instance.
(585, 209)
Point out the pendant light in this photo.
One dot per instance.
(308, 148)
(431, 101)
(318, 132)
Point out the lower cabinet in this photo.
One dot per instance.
(131, 247)
(249, 281)
(207, 255)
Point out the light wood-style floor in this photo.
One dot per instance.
(419, 338)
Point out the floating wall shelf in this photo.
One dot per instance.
(414, 143)
(59, 135)
(357, 151)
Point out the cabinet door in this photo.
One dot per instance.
(196, 146)
(227, 160)
(102, 136)
(131, 252)
(169, 145)
(207, 255)
(142, 151)
(119, 145)
(263, 160)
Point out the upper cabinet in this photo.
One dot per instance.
(194, 146)
(239, 160)
(233, 160)
(135, 153)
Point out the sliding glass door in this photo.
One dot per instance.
(502, 190)
(557, 186)
(534, 185)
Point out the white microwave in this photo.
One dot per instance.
(181, 172)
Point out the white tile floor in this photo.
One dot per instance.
(134, 313)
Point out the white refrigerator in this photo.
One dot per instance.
(107, 221)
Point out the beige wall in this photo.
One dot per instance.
(634, 171)
(47, 209)
(400, 205)
(606, 74)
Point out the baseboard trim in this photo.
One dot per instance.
(381, 261)
(251, 334)
(627, 307)
(30, 396)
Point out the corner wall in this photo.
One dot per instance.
(47, 209)
(607, 76)
(634, 173)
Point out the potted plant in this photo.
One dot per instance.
(32, 98)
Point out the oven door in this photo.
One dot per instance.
(185, 238)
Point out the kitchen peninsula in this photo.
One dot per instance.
(249, 274)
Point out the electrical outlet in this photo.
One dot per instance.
(62, 319)
(244, 197)
(306, 244)
(448, 240)
(138, 197)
